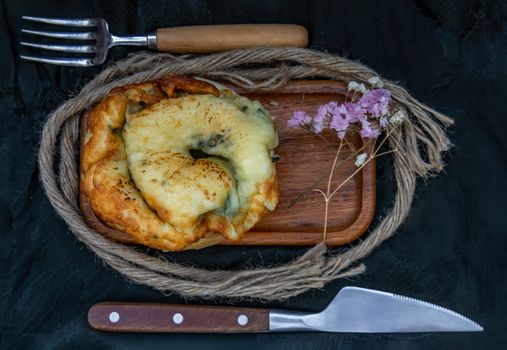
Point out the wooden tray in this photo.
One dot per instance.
(304, 157)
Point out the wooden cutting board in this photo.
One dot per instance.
(304, 158)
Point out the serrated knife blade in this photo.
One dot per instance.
(360, 310)
(353, 310)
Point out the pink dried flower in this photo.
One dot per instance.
(346, 114)
(352, 112)
(376, 102)
(323, 115)
(369, 114)
(299, 119)
(339, 124)
(318, 122)
(340, 121)
(368, 131)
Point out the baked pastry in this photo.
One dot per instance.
(171, 161)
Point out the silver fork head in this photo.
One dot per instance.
(99, 32)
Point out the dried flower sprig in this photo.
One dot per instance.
(367, 111)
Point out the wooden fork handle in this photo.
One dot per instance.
(213, 38)
(144, 317)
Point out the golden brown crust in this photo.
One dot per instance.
(187, 84)
(114, 197)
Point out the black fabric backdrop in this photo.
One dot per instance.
(451, 250)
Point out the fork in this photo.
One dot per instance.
(192, 39)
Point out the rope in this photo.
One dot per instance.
(421, 140)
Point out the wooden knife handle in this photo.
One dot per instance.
(215, 38)
(143, 318)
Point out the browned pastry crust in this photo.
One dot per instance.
(113, 196)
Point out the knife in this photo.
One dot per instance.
(353, 310)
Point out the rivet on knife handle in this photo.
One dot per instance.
(213, 38)
(143, 317)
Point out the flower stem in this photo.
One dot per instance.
(325, 140)
(372, 156)
(326, 197)
(326, 211)
(312, 186)
(333, 168)
(350, 177)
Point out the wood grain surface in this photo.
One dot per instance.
(304, 158)
(153, 318)
(213, 38)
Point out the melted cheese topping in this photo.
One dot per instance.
(237, 135)
(175, 161)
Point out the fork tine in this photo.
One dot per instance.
(74, 62)
(61, 35)
(77, 22)
(64, 48)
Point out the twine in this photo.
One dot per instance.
(420, 142)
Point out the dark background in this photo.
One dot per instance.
(451, 250)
